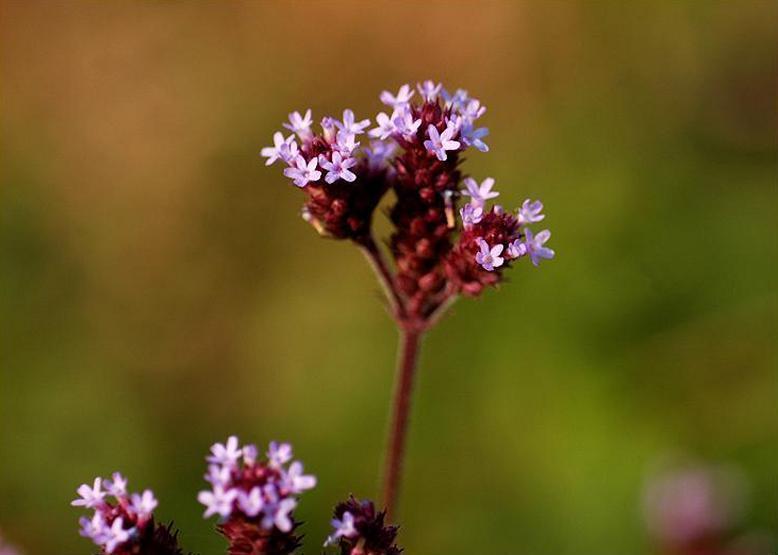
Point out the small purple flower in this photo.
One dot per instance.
(296, 481)
(303, 172)
(535, 247)
(349, 125)
(473, 110)
(429, 90)
(456, 100)
(338, 168)
(251, 503)
(282, 149)
(329, 128)
(116, 535)
(279, 454)
(479, 194)
(280, 516)
(385, 127)
(472, 137)
(346, 143)
(439, 143)
(144, 504)
(228, 454)
(403, 97)
(378, 153)
(344, 528)
(117, 486)
(405, 124)
(93, 528)
(90, 497)
(516, 249)
(217, 502)
(471, 214)
(250, 453)
(530, 212)
(299, 124)
(488, 258)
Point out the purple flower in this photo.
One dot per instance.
(346, 143)
(488, 258)
(116, 535)
(405, 124)
(385, 126)
(429, 90)
(93, 528)
(303, 172)
(296, 481)
(349, 125)
(217, 502)
(472, 136)
(530, 212)
(250, 453)
(338, 168)
(535, 247)
(228, 454)
(479, 194)
(439, 143)
(278, 514)
(516, 249)
(456, 100)
(218, 475)
(283, 149)
(471, 214)
(403, 97)
(251, 503)
(299, 124)
(344, 528)
(117, 486)
(90, 497)
(144, 504)
(379, 152)
(473, 110)
(279, 454)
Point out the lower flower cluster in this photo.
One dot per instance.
(123, 523)
(361, 530)
(255, 497)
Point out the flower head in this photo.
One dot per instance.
(439, 143)
(471, 214)
(479, 194)
(404, 96)
(226, 454)
(300, 124)
(338, 168)
(429, 90)
(535, 248)
(282, 149)
(303, 172)
(530, 212)
(489, 258)
(349, 125)
(90, 497)
(359, 528)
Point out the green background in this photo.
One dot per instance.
(159, 290)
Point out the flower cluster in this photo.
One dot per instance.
(123, 523)
(416, 153)
(255, 498)
(360, 530)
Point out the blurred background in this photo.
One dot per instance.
(159, 291)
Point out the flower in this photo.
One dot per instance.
(344, 528)
(115, 535)
(93, 528)
(338, 168)
(303, 172)
(516, 249)
(279, 454)
(385, 126)
(439, 143)
(535, 247)
(379, 153)
(225, 454)
(479, 194)
(488, 258)
(278, 515)
(296, 481)
(282, 149)
(117, 486)
(405, 124)
(218, 501)
(90, 497)
(429, 90)
(530, 212)
(403, 97)
(349, 125)
(472, 137)
(471, 214)
(299, 124)
(252, 502)
(144, 504)
(346, 143)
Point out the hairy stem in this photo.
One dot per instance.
(410, 339)
(376, 259)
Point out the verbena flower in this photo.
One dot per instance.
(122, 523)
(255, 499)
(359, 529)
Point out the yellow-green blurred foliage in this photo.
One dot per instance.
(159, 290)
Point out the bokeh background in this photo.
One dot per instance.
(159, 290)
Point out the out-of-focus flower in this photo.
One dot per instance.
(360, 529)
(300, 124)
(535, 248)
(404, 96)
(479, 194)
(530, 212)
